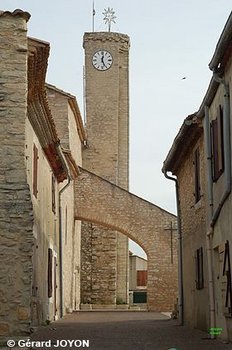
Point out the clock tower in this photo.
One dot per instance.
(105, 252)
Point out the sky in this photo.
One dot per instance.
(170, 40)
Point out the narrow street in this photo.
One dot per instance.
(126, 331)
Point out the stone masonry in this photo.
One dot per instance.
(105, 252)
(100, 202)
(15, 201)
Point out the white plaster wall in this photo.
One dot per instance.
(45, 227)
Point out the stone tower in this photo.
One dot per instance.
(104, 269)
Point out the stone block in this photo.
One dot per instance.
(23, 313)
(4, 329)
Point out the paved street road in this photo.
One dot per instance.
(127, 331)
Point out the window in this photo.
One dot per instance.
(141, 278)
(35, 170)
(217, 147)
(53, 194)
(49, 272)
(199, 268)
(227, 273)
(197, 182)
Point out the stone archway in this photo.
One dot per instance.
(101, 202)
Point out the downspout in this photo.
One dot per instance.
(209, 233)
(60, 225)
(180, 250)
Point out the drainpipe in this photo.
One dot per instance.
(209, 234)
(180, 250)
(63, 160)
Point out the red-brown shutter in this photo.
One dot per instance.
(141, 278)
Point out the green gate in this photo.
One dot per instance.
(140, 297)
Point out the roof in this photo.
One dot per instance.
(39, 113)
(188, 133)
(223, 46)
(222, 53)
(75, 108)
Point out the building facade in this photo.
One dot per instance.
(186, 161)
(138, 272)
(212, 224)
(42, 254)
(45, 193)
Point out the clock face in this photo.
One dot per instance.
(102, 60)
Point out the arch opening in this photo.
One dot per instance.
(99, 202)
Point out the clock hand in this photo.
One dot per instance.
(102, 60)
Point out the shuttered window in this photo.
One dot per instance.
(35, 171)
(197, 178)
(199, 268)
(53, 194)
(227, 272)
(141, 278)
(217, 147)
(49, 272)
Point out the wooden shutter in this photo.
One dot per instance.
(53, 194)
(220, 141)
(217, 145)
(49, 272)
(199, 268)
(227, 272)
(196, 163)
(55, 309)
(141, 278)
(35, 170)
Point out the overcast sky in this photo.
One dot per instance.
(170, 40)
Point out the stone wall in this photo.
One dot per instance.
(107, 152)
(16, 218)
(193, 217)
(101, 202)
(98, 268)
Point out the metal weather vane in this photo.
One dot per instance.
(109, 17)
